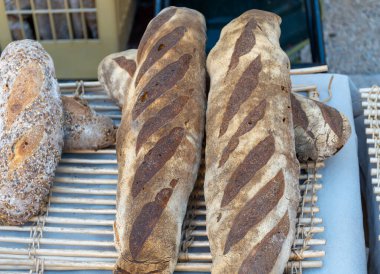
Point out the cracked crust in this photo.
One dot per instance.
(320, 130)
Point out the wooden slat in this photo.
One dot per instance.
(89, 181)
(71, 176)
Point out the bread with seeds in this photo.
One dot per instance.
(251, 181)
(31, 130)
(159, 142)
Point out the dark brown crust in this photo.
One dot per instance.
(164, 116)
(156, 158)
(164, 44)
(248, 124)
(332, 118)
(299, 116)
(25, 90)
(243, 89)
(255, 210)
(147, 220)
(153, 27)
(127, 64)
(253, 162)
(244, 43)
(264, 255)
(161, 83)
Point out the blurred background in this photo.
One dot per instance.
(79, 33)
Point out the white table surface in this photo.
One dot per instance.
(339, 199)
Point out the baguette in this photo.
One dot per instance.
(251, 180)
(320, 131)
(31, 134)
(163, 123)
(83, 128)
(115, 73)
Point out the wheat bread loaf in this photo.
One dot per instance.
(251, 181)
(159, 142)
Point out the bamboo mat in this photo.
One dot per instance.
(76, 232)
(371, 106)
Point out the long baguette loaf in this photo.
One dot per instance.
(163, 123)
(115, 73)
(251, 181)
(31, 135)
(83, 128)
(320, 131)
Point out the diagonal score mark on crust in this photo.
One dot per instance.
(244, 43)
(255, 210)
(264, 255)
(128, 65)
(247, 125)
(246, 170)
(164, 116)
(156, 158)
(243, 89)
(148, 218)
(25, 90)
(153, 27)
(299, 116)
(162, 46)
(163, 81)
(332, 118)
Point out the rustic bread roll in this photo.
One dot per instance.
(115, 73)
(83, 128)
(31, 135)
(251, 181)
(320, 131)
(159, 142)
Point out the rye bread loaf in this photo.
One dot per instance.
(83, 128)
(115, 73)
(159, 142)
(31, 135)
(320, 130)
(251, 181)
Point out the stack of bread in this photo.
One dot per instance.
(256, 131)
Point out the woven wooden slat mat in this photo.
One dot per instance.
(76, 232)
(371, 105)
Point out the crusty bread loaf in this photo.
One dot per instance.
(159, 142)
(115, 73)
(251, 181)
(320, 130)
(313, 121)
(31, 135)
(83, 128)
